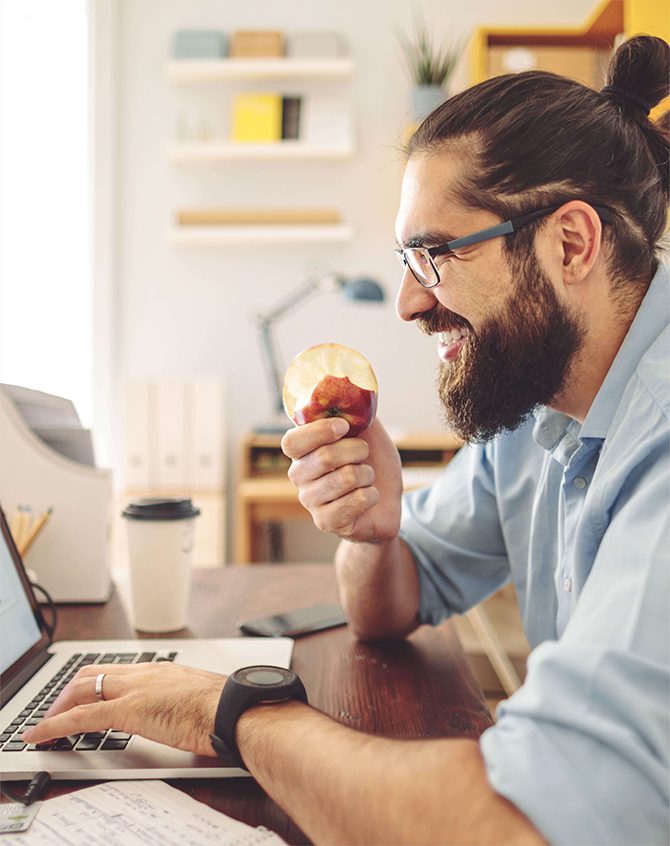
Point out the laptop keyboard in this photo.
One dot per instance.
(10, 739)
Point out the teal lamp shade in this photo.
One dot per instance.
(363, 289)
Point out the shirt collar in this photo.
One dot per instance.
(557, 433)
(652, 317)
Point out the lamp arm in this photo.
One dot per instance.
(271, 364)
(292, 299)
(266, 321)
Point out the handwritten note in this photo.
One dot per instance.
(135, 813)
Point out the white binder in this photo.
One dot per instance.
(170, 434)
(174, 435)
(205, 438)
(138, 432)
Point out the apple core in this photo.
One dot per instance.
(331, 380)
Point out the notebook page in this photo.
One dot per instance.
(135, 813)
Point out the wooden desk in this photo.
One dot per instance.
(418, 688)
(265, 495)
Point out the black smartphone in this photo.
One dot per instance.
(299, 622)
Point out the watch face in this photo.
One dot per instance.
(263, 676)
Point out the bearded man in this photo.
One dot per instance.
(528, 232)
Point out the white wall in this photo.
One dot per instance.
(186, 310)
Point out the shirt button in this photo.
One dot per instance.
(567, 584)
(579, 482)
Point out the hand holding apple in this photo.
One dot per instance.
(331, 380)
(351, 484)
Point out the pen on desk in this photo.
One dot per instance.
(34, 531)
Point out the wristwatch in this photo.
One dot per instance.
(245, 688)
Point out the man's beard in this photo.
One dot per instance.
(517, 361)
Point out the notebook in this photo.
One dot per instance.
(33, 670)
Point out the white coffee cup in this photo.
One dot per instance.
(160, 536)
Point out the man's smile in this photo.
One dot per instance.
(450, 343)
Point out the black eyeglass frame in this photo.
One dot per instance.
(500, 229)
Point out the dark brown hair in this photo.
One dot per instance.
(533, 139)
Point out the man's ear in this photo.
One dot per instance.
(580, 232)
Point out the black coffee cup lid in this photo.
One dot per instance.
(155, 508)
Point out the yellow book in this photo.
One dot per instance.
(257, 117)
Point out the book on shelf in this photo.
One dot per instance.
(256, 44)
(290, 124)
(199, 44)
(256, 217)
(315, 45)
(326, 120)
(257, 117)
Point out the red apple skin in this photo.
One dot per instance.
(337, 396)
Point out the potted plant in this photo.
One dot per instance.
(429, 68)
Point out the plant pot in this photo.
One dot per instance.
(425, 98)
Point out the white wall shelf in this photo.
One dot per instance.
(214, 236)
(197, 71)
(212, 151)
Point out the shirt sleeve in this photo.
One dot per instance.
(453, 531)
(582, 748)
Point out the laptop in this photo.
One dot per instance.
(33, 671)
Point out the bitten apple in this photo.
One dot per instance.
(331, 380)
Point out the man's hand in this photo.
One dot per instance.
(350, 486)
(164, 702)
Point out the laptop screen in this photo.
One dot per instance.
(20, 631)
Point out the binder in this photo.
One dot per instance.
(138, 418)
(205, 435)
(170, 434)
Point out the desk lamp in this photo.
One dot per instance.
(357, 290)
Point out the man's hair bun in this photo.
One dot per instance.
(641, 67)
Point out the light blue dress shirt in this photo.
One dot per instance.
(578, 518)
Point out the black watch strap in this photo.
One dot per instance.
(240, 693)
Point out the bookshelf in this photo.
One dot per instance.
(326, 136)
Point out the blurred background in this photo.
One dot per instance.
(173, 171)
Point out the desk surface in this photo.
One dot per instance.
(418, 688)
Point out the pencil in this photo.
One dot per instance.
(23, 520)
(15, 523)
(34, 531)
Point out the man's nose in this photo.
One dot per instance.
(413, 299)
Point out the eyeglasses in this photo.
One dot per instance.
(420, 262)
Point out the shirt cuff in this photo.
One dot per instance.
(432, 608)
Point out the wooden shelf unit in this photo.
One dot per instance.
(597, 35)
(317, 148)
(266, 495)
(601, 31)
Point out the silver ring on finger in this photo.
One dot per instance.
(99, 695)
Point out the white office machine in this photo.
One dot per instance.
(46, 460)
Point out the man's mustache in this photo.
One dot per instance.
(441, 319)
